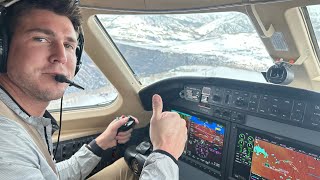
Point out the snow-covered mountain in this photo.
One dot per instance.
(163, 30)
(154, 44)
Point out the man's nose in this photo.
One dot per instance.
(58, 54)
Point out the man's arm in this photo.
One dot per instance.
(78, 166)
(168, 134)
(160, 165)
(84, 161)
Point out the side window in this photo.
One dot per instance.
(98, 90)
(314, 15)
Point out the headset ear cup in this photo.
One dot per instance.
(3, 50)
(79, 63)
(79, 51)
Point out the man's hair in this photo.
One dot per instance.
(68, 8)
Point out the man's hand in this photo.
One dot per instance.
(168, 131)
(109, 137)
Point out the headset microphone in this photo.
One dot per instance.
(63, 79)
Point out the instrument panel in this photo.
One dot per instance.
(288, 110)
(244, 130)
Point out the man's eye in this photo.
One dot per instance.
(68, 46)
(40, 39)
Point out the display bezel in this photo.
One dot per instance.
(233, 144)
(224, 123)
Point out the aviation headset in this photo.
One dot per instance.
(4, 39)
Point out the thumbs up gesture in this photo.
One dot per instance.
(168, 131)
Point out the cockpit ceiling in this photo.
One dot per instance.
(171, 5)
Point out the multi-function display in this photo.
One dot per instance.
(205, 141)
(261, 157)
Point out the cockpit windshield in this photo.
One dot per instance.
(220, 44)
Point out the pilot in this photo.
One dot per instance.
(42, 43)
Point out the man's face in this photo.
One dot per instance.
(43, 45)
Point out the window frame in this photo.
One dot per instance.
(312, 34)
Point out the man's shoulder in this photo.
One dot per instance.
(14, 138)
(13, 132)
(17, 148)
(8, 125)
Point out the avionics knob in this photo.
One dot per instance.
(216, 98)
(217, 112)
(226, 114)
(240, 117)
(240, 101)
(274, 110)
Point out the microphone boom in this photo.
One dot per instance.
(63, 79)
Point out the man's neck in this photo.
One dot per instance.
(30, 104)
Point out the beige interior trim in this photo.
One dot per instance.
(299, 33)
(186, 4)
(308, 61)
(120, 4)
(265, 33)
(278, 21)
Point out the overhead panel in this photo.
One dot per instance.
(112, 4)
(187, 4)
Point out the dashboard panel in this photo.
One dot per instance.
(244, 130)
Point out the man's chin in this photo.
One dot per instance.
(51, 95)
(56, 96)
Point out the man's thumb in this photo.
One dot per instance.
(157, 106)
